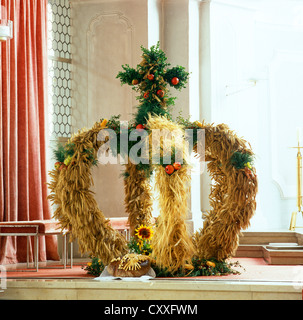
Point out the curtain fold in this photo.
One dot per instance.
(23, 171)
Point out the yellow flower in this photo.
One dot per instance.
(67, 160)
(144, 232)
(104, 123)
(248, 165)
(211, 264)
(89, 264)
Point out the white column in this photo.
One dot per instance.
(154, 16)
(205, 89)
(180, 41)
(175, 43)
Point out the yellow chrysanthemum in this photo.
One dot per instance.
(144, 232)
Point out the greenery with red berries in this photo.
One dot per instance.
(150, 79)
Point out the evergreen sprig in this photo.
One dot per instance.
(62, 152)
(178, 72)
(240, 159)
(154, 57)
(129, 75)
(146, 108)
(59, 152)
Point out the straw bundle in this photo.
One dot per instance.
(232, 198)
(77, 209)
(138, 197)
(172, 245)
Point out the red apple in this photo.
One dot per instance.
(169, 169)
(57, 165)
(150, 77)
(174, 81)
(177, 165)
(63, 166)
(140, 127)
(160, 93)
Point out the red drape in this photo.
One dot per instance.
(23, 173)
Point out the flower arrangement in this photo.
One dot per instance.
(95, 267)
(141, 245)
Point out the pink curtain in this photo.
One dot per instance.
(23, 175)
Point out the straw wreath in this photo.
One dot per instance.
(232, 197)
(77, 209)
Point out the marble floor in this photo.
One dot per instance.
(257, 281)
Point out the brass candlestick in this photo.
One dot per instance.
(293, 220)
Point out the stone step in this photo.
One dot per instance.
(249, 251)
(266, 237)
(275, 247)
(281, 256)
(284, 246)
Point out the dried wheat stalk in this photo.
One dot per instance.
(77, 209)
(232, 198)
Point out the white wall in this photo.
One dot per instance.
(105, 35)
(256, 58)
